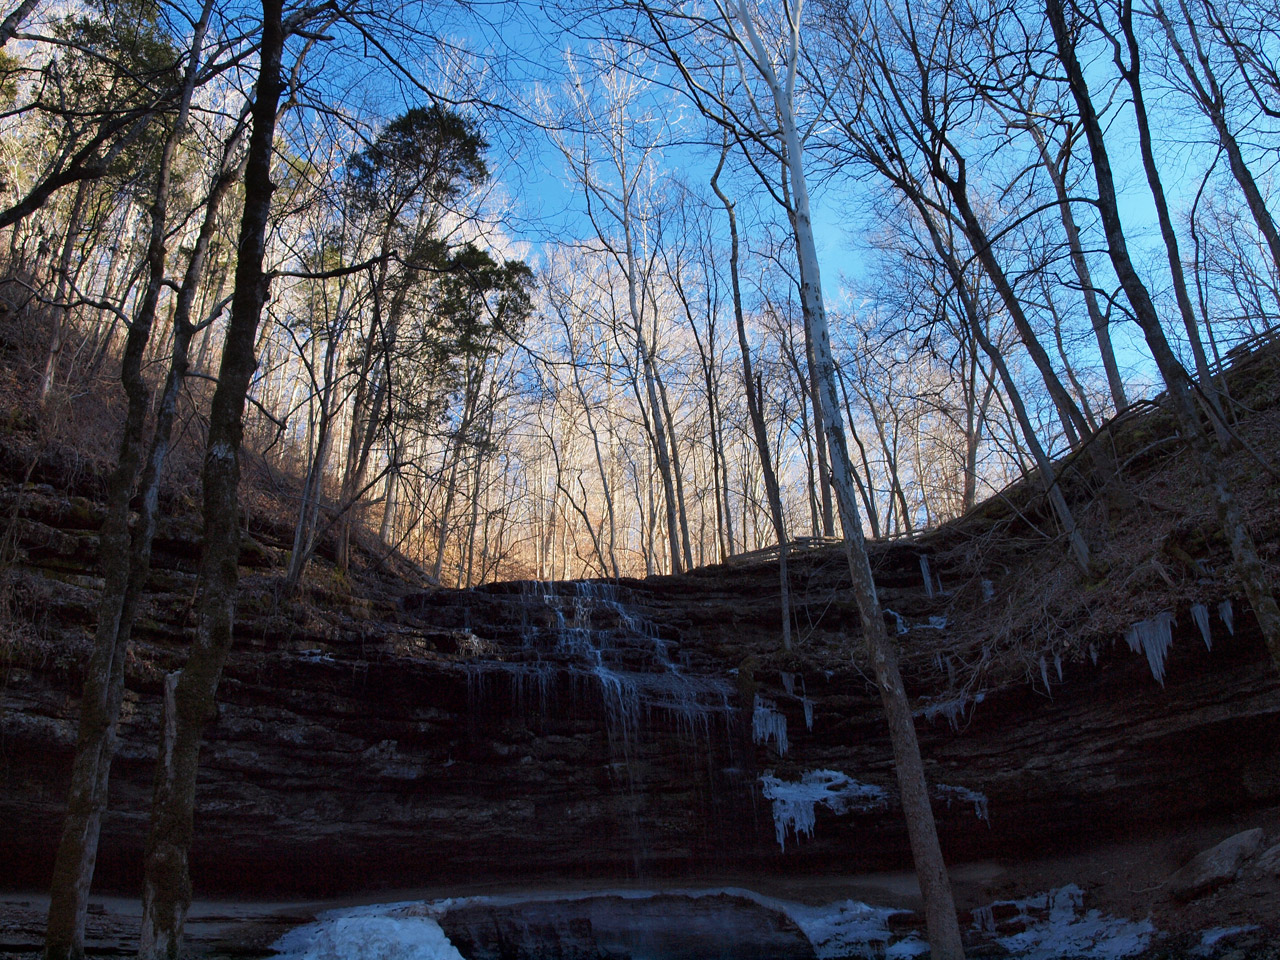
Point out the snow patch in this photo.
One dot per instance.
(1153, 637)
(794, 802)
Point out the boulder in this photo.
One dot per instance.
(1213, 867)
(1268, 861)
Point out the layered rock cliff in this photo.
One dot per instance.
(373, 734)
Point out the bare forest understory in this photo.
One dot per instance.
(378, 734)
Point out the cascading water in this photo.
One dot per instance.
(582, 633)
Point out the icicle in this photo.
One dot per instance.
(964, 794)
(1044, 672)
(953, 710)
(768, 724)
(924, 571)
(794, 801)
(1093, 654)
(808, 713)
(984, 919)
(1057, 662)
(789, 683)
(1153, 637)
(1200, 614)
(1225, 612)
(988, 591)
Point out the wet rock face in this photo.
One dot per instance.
(650, 928)
(517, 733)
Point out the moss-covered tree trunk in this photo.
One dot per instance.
(125, 555)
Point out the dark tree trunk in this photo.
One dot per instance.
(167, 883)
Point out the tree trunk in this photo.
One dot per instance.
(1080, 265)
(939, 906)
(1210, 98)
(61, 326)
(1132, 76)
(1248, 565)
(166, 880)
(126, 560)
(754, 403)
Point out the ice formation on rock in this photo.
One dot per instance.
(952, 708)
(768, 724)
(794, 801)
(924, 572)
(981, 806)
(1153, 637)
(897, 619)
(988, 591)
(1200, 614)
(1055, 925)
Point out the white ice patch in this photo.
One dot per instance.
(768, 724)
(363, 937)
(794, 802)
(1153, 637)
(1057, 927)
(1200, 614)
(408, 931)
(897, 619)
(1228, 619)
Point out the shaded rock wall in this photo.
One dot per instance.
(487, 734)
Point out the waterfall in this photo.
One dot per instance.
(584, 634)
